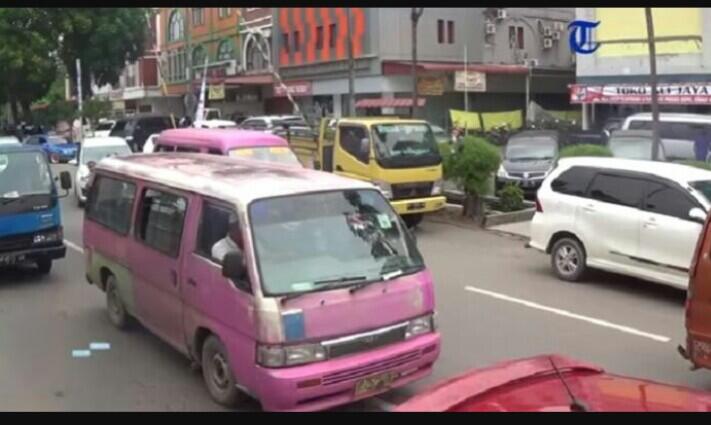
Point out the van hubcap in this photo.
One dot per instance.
(114, 306)
(566, 258)
(220, 372)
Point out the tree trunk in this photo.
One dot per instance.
(13, 110)
(26, 111)
(474, 207)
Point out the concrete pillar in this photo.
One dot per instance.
(388, 111)
(586, 124)
(337, 106)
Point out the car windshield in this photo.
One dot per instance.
(56, 141)
(531, 149)
(704, 187)
(97, 153)
(404, 140)
(103, 126)
(631, 147)
(280, 154)
(24, 173)
(305, 241)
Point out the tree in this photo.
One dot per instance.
(471, 165)
(104, 39)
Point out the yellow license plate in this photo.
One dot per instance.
(375, 383)
(415, 206)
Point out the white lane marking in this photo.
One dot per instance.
(74, 246)
(383, 405)
(560, 312)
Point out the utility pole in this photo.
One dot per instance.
(653, 82)
(351, 65)
(80, 102)
(415, 15)
(466, 78)
(188, 62)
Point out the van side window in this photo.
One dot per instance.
(662, 199)
(350, 138)
(110, 203)
(618, 190)
(161, 220)
(214, 226)
(573, 181)
(214, 152)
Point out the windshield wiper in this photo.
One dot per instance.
(324, 284)
(384, 277)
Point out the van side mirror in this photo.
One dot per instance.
(233, 268)
(65, 180)
(698, 215)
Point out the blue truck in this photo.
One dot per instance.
(30, 221)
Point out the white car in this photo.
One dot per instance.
(623, 216)
(93, 150)
(215, 124)
(9, 140)
(677, 131)
(150, 143)
(103, 128)
(271, 123)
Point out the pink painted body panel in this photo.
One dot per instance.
(222, 139)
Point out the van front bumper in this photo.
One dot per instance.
(330, 383)
(418, 205)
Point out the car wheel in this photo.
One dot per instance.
(412, 220)
(568, 259)
(44, 265)
(115, 306)
(216, 371)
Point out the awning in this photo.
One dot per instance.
(405, 67)
(404, 102)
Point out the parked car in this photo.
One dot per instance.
(634, 144)
(587, 137)
(92, 151)
(622, 216)
(528, 157)
(137, 128)
(553, 383)
(4, 140)
(149, 146)
(215, 124)
(58, 149)
(103, 128)
(272, 123)
(611, 125)
(677, 131)
(192, 245)
(235, 143)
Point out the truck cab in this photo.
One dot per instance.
(30, 222)
(400, 156)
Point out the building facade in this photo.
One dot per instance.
(503, 45)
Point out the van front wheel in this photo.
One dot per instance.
(412, 220)
(216, 371)
(114, 305)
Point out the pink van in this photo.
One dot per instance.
(231, 142)
(299, 288)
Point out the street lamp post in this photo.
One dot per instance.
(415, 15)
(653, 82)
(351, 65)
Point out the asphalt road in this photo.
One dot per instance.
(496, 300)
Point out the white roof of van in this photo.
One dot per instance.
(669, 116)
(231, 179)
(102, 141)
(676, 172)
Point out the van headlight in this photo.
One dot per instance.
(502, 172)
(385, 188)
(437, 187)
(419, 326)
(289, 355)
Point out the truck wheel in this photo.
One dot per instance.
(216, 371)
(412, 220)
(44, 265)
(114, 305)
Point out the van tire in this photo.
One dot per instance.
(217, 373)
(44, 265)
(568, 259)
(412, 220)
(115, 307)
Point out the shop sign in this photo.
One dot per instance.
(471, 81)
(430, 86)
(295, 88)
(630, 94)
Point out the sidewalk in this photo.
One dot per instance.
(521, 228)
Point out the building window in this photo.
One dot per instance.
(176, 65)
(176, 26)
(285, 42)
(199, 55)
(319, 38)
(516, 37)
(519, 37)
(440, 31)
(450, 32)
(332, 36)
(224, 12)
(198, 16)
(297, 41)
(225, 51)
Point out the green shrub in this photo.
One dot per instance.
(470, 164)
(585, 150)
(510, 198)
(698, 164)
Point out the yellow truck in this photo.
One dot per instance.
(398, 155)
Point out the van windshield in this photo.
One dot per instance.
(311, 242)
(405, 145)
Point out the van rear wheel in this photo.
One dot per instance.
(217, 373)
(114, 305)
(568, 259)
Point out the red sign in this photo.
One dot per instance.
(669, 94)
(296, 88)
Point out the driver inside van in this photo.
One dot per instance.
(232, 242)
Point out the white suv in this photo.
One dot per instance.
(637, 218)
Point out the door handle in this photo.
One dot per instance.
(191, 282)
(589, 208)
(174, 277)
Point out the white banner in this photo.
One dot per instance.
(474, 81)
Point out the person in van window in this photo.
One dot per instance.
(232, 242)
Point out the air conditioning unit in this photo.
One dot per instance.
(547, 43)
(501, 14)
(555, 35)
(547, 31)
(490, 29)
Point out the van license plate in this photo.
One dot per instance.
(9, 260)
(375, 383)
(416, 206)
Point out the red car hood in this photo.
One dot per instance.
(532, 384)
